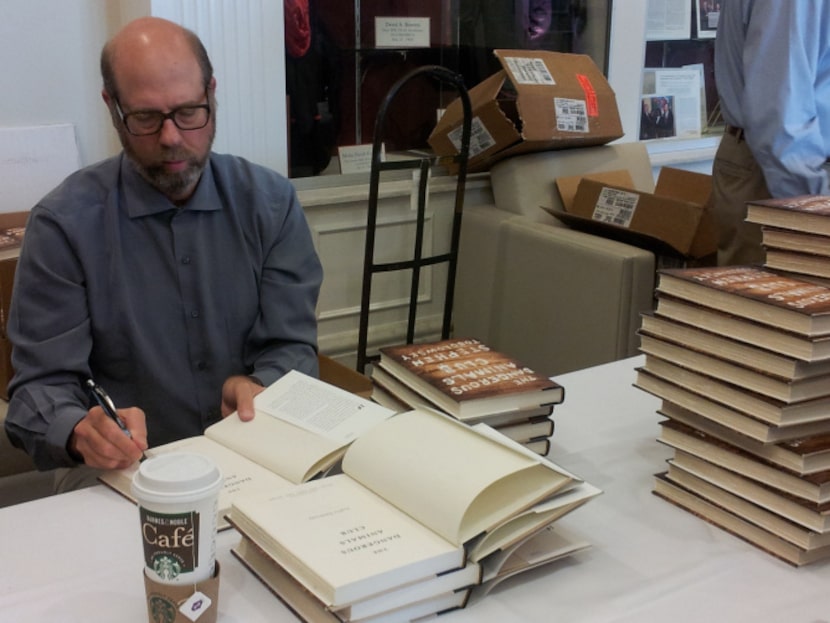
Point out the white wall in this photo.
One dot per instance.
(245, 41)
(626, 54)
(49, 71)
(50, 68)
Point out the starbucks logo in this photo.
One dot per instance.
(166, 567)
(162, 610)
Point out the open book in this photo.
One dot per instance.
(301, 429)
(420, 494)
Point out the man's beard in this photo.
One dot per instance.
(171, 185)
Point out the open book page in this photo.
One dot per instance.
(301, 427)
(341, 541)
(546, 546)
(241, 475)
(442, 473)
(319, 407)
(517, 528)
(488, 431)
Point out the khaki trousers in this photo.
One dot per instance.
(736, 179)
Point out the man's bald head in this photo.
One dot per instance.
(149, 43)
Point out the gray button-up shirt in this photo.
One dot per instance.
(159, 304)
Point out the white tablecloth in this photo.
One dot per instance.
(77, 557)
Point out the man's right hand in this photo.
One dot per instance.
(103, 445)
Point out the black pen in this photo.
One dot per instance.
(105, 402)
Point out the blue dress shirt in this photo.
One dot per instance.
(772, 68)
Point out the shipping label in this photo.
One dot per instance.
(616, 207)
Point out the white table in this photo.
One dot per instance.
(77, 557)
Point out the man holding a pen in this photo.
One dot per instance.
(179, 281)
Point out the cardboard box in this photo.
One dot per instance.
(676, 219)
(335, 373)
(567, 186)
(8, 265)
(554, 101)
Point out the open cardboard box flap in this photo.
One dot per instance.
(561, 100)
(676, 217)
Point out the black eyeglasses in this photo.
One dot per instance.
(146, 122)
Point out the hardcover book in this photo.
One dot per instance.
(812, 487)
(785, 390)
(528, 430)
(767, 297)
(788, 240)
(814, 517)
(808, 213)
(804, 348)
(405, 394)
(715, 412)
(790, 531)
(769, 410)
(438, 594)
(802, 455)
(301, 429)
(749, 355)
(736, 525)
(805, 264)
(382, 524)
(466, 379)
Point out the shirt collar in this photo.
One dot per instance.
(141, 199)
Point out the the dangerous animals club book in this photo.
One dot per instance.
(805, 213)
(436, 594)
(301, 428)
(753, 293)
(468, 380)
(420, 494)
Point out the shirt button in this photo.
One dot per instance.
(201, 366)
(186, 259)
(195, 313)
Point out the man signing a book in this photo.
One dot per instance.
(178, 279)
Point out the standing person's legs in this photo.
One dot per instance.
(736, 179)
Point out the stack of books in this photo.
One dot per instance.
(427, 514)
(469, 381)
(795, 233)
(740, 357)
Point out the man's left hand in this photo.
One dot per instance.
(238, 395)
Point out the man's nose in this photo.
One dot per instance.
(170, 133)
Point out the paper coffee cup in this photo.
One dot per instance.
(177, 496)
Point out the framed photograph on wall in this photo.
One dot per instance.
(708, 13)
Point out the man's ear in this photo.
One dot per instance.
(110, 102)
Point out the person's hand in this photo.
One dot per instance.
(238, 395)
(102, 444)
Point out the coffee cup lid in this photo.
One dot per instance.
(176, 477)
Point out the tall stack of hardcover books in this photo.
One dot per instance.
(427, 514)
(469, 381)
(740, 357)
(795, 233)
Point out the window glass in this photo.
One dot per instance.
(343, 56)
